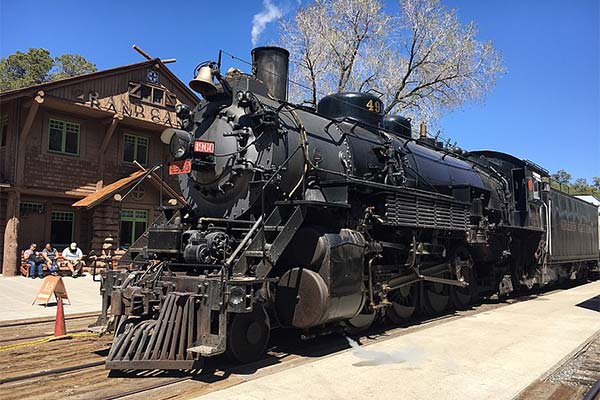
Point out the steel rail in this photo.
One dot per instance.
(44, 320)
(54, 371)
(17, 339)
(594, 391)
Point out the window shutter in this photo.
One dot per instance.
(135, 90)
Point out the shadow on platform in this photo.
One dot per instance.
(591, 304)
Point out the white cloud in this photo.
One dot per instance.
(269, 13)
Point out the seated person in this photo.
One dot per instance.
(51, 256)
(35, 260)
(104, 260)
(107, 253)
(73, 257)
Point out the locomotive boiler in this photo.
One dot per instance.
(321, 220)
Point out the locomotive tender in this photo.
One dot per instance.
(325, 219)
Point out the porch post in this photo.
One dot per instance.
(11, 259)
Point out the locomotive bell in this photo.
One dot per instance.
(203, 82)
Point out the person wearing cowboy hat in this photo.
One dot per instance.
(74, 259)
(106, 256)
(107, 248)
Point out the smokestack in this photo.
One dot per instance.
(270, 65)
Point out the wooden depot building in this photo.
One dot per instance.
(68, 147)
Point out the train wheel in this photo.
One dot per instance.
(360, 322)
(463, 269)
(436, 297)
(248, 335)
(404, 303)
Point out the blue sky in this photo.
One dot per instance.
(546, 108)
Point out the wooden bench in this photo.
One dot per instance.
(62, 266)
(64, 270)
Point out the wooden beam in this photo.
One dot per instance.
(158, 182)
(109, 131)
(24, 134)
(35, 104)
(49, 193)
(142, 52)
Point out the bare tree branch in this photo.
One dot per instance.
(423, 60)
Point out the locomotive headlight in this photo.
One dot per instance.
(237, 295)
(179, 146)
(179, 142)
(239, 96)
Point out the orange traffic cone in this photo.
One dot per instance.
(59, 326)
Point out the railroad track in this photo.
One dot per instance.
(84, 365)
(583, 368)
(81, 373)
(19, 331)
(49, 372)
(577, 378)
(44, 320)
(25, 338)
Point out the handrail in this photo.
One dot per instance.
(560, 185)
(244, 241)
(268, 182)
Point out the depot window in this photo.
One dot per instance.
(63, 137)
(3, 129)
(133, 225)
(135, 148)
(151, 94)
(31, 207)
(61, 228)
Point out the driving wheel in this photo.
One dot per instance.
(436, 297)
(404, 303)
(463, 269)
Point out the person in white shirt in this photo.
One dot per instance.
(73, 257)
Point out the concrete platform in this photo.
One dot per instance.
(490, 355)
(17, 293)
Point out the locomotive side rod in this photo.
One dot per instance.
(445, 281)
(396, 283)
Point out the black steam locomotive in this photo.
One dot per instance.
(325, 219)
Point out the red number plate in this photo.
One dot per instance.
(200, 146)
(180, 167)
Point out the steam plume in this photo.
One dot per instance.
(269, 13)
